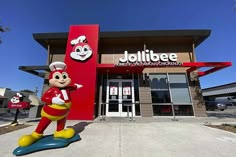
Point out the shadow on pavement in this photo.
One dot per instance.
(79, 127)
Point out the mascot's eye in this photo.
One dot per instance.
(85, 49)
(77, 50)
(57, 77)
(64, 76)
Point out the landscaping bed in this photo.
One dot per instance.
(227, 127)
(10, 128)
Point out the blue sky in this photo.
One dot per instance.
(26, 17)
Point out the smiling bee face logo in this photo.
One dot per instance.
(81, 50)
(18, 97)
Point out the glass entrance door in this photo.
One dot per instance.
(120, 98)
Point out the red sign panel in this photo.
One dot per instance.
(21, 104)
(81, 60)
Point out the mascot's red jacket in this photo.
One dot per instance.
(54, 111)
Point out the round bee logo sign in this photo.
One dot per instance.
(81, 51)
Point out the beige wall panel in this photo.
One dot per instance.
(197, 99)
(133, 48)
(110, 58)
(163, 48)
(183, 57)
(58, 57)
(45, 84)
(145, 98)
(117, 48)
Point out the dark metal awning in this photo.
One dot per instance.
(36, 70)
(139, 36)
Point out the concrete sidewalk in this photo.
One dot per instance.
(146, 137)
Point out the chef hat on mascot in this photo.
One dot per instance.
(56, 66)
(80, 39)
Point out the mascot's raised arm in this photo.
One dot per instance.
(57, 105)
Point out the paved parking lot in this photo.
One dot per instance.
(230, 112)
(135, 139)
(143, 137)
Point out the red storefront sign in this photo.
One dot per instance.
(81, 60)
(19, 105)
(17, 102)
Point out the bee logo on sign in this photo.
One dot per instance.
(81, 49)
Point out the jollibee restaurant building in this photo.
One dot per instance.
(150, 73)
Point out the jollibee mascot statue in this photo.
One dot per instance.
(57, 105)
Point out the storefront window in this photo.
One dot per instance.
(162, 110)
(160, 96)
(179, 88)
(183, 110)
(167, 89)
(159, 88)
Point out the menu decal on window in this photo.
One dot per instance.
(126, 91)
(113, 90)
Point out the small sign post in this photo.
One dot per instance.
(17, 103)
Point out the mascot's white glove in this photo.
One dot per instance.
(78, 86)
(58, 100)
